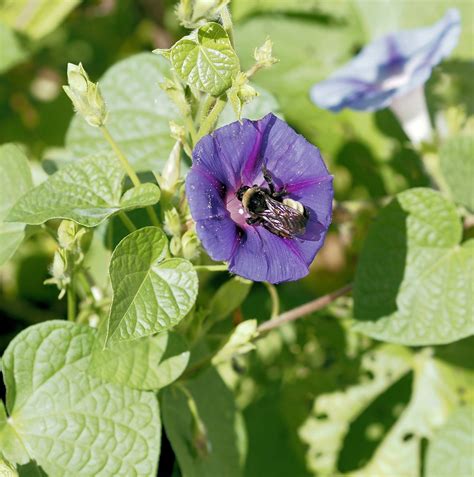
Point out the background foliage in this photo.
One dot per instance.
(321, 396)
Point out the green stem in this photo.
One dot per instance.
(127, 222)
(123, 160)
(274, 297)
(211, 268)
(128, 169)
(85, 285)
(188, 121)
(71, 302)
(227, 23)
(205, 107)
(212, 117)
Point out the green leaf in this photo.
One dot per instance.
(15, 180)
(139, 114)
(37, 18)
(329, 422)
(6, 468)
(219, 452)
(229, 297)
(413, 283)
(149, 363)
(450, 450)
(69, 421)
(12, 50)
(152, 292)
(88, 191)
(457, 165)
(205, 59)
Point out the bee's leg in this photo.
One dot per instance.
(268, 179)
(253, 220)
(280, 194)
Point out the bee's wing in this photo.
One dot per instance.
(282, 219)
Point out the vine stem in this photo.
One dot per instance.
(212, 117)
(128, 169)
(127, 222)
(275, 300)
(71, 303)
(303, 310)
(211, 268)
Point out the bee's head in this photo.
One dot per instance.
(242, 190)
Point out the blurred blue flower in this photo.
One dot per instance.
(389, 67)
(236, 156)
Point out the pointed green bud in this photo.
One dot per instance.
(191, 245)
(240, 93)
(169, 178)
(177, 131)
(85, 95)
(172, 222)
(59, 273)
(175, 246)
(194, 13)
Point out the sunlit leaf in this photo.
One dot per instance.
(205, 59)
(414, 279)
(228, 297)
(139, 114)
(68, 421)
(152, 292)
(148, 363)
(450, 450)
(87, 191)
(15, 180)
(457, 166)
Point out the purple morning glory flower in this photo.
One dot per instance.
(389, 67)
(238, 155)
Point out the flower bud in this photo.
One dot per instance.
(172, 222)
(175, 246)
(194, 13)
(85, 95)
(172, 170)
(263, 55)
(241, 93)
(190, 245)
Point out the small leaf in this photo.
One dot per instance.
(414, 279)
(149, 363)
(139, 114)
(457, 165)
(37, 18)
(240, 342)
(88, 191)
(218, 452)
(152, 292)
(12, 50)
(450, 450)
(15, 180)
(70, 422)
(206, 60)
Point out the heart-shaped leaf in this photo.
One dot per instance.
(70, 422)
(139, 114)
(147, 363)
(87, 191)
(205, 59)
(15, 180)
(414, 279)
(152, 292)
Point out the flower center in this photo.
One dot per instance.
(397, 74)
(236, 209)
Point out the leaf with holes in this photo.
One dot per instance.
(205, 59)
(149, 363)
(15, 180)
(450, 450)
(152, 292)
(139, 114)
(87, 191)
(68, 421)
(457, 165)
(413, 283)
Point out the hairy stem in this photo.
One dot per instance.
(71, 302)
(211, 268)
(303, 310)
(127, 222)
(128, 169)
(211, 119)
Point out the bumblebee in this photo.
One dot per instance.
(281, 216)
